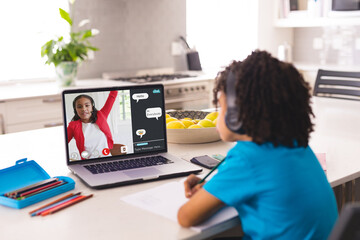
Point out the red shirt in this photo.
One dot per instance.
(74, 130)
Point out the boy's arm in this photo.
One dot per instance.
(200, 206)
(109, 103)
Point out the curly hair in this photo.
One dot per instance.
(93, 117)
(273, 100)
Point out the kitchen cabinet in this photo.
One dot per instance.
(317, 15)
(31, 113)
(306, 21)
(2, 119)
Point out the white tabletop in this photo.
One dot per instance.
(105, 216)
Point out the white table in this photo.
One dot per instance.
(105, 216)
(337, 133)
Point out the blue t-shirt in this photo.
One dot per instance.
(279, 192)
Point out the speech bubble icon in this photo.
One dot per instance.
(153, 112)
(140, 96)
(140, 132)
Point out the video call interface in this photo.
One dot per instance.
(129, 120)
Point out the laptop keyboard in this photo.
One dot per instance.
(127, 164)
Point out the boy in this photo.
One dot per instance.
(271, 176)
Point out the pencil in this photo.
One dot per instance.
(30, 187)
(37, 213)
(40, 191)
(55, 201)
(40, 188)
(65, 205)
(214, 168)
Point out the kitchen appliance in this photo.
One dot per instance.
(184, 90)
(193, 59)
(345, 8)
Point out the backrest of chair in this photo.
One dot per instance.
(337, 84)
(347, 227)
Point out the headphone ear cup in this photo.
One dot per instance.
(231, 120)
(232, 113)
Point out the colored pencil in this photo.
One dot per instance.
(40, 188)
(203, 180)
(65, 205)
(40, 191)
(53, 202)
(32, 186)
(37, 213)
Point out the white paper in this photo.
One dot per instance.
(165, 200)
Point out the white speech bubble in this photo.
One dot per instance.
(154, 113)
(140, 132)
(140, 96)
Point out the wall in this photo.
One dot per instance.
(134, 34)
(270, 37)
(337, 45)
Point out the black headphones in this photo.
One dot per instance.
(232, 114)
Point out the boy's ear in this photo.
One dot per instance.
(232, 113)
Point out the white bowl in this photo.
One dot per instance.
(192, 135)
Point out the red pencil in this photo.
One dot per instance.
(51, 203)
(40, 188)
(65, 205)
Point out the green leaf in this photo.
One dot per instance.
(65, 15)
(87, 34)
(93, 48)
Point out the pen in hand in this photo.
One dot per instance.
(194, 183)
(214, 168)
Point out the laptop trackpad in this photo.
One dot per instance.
(143, 172)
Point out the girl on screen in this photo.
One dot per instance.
(89, 126)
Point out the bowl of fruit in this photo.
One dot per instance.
(191, 126)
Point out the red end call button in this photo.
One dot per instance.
(105, 151)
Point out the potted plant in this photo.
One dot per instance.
(66, 52)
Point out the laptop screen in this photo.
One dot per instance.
(111, 122)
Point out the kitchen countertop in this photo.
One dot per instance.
(22, 90)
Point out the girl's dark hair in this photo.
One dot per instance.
(273, 100)
(93, 117)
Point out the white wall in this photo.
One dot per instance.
(270, 37)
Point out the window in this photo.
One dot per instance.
(25, 26)
(222, 30)
(125, 107)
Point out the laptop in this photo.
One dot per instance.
(117, 136)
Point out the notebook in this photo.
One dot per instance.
(117, 136)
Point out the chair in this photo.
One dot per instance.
(347, 226)
(337, 84)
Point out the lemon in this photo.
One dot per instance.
(196, 121)
(215, 121)
(187, 123)
(195, 126)
(212, 116)
(167, 116)
(175, 125)
(187, 119)
(206, 123)
(170, 119)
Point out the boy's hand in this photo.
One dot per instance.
(191, 185)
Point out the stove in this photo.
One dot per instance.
(183, 91)
(153, 78)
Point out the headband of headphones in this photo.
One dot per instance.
(232, 113)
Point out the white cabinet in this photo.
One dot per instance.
(32, 113)
(313, 13)
(2, 117)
